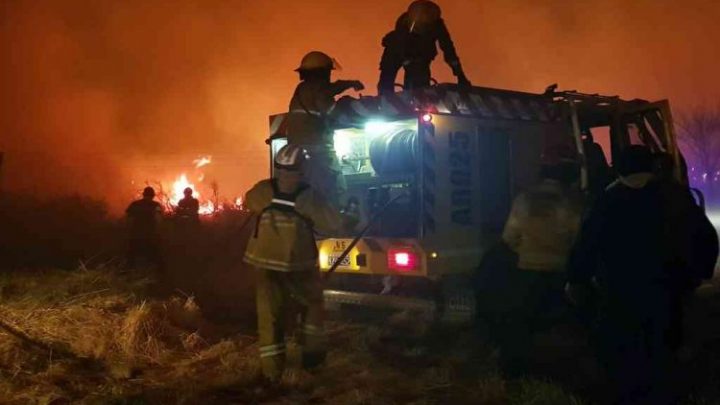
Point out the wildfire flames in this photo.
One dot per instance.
(202, 161)
(172, 192)
(207, 207)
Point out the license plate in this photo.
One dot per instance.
(344, 263)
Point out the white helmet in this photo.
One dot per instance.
(291, 157)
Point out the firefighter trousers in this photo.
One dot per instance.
(283, 296)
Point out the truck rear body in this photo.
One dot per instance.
(459, 158)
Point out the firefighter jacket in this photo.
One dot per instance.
(144, 216)
(284, 238)
(542, 226)
(310, 112)
(403, 46)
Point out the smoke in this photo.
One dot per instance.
(99, 97)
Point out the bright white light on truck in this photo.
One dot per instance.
(402, 259)
(426, 118)
(378, 127)
(343, 144)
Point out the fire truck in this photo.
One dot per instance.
(438, 169)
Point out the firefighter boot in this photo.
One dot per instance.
(313, 344)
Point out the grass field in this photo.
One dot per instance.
(98, 336)
(92, 333)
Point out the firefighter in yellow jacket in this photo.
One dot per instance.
(310, 122)
(541, 230)
(283, 251)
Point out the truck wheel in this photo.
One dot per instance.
(456, 301)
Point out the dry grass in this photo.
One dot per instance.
(111, 344)
(94, 337)
(100, 339)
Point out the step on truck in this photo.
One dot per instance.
(450, 161)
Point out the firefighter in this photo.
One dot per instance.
(310, 122)
(540, 230)
(143, 217)
(644, 245)
(188, 208)
(412, 46)
(285, 256)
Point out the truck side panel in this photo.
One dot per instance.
(470, 171)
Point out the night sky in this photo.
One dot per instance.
(98, 94)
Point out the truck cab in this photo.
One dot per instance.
(438, 168)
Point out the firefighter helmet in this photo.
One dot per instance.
(148, 192)
(188, 191)
(291, 157)
(634, 159)
(423, 13)
(316, 60)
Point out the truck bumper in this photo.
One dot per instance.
(380, 301)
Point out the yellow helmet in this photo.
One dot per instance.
(423, 13)
(317, 60)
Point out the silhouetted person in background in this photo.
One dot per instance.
(188, 209)
(143, 217)
(638, 245)
(412, 45)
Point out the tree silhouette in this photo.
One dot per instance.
(699, 135)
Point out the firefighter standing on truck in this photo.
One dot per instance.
(284, 252)
(412, 46)
(310, 122)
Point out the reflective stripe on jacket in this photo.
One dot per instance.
(284, 237)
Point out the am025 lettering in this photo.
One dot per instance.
(460, 163)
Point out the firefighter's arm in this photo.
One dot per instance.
(512, 233)
(258, 197)
(450, 54)
(340, 86)
(325, 217)
(158, 214)
(129, 215)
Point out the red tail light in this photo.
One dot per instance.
(401, 259)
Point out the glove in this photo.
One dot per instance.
(463, 80)
(460, 74)
(357, 85)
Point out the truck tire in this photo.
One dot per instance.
(456, 301)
